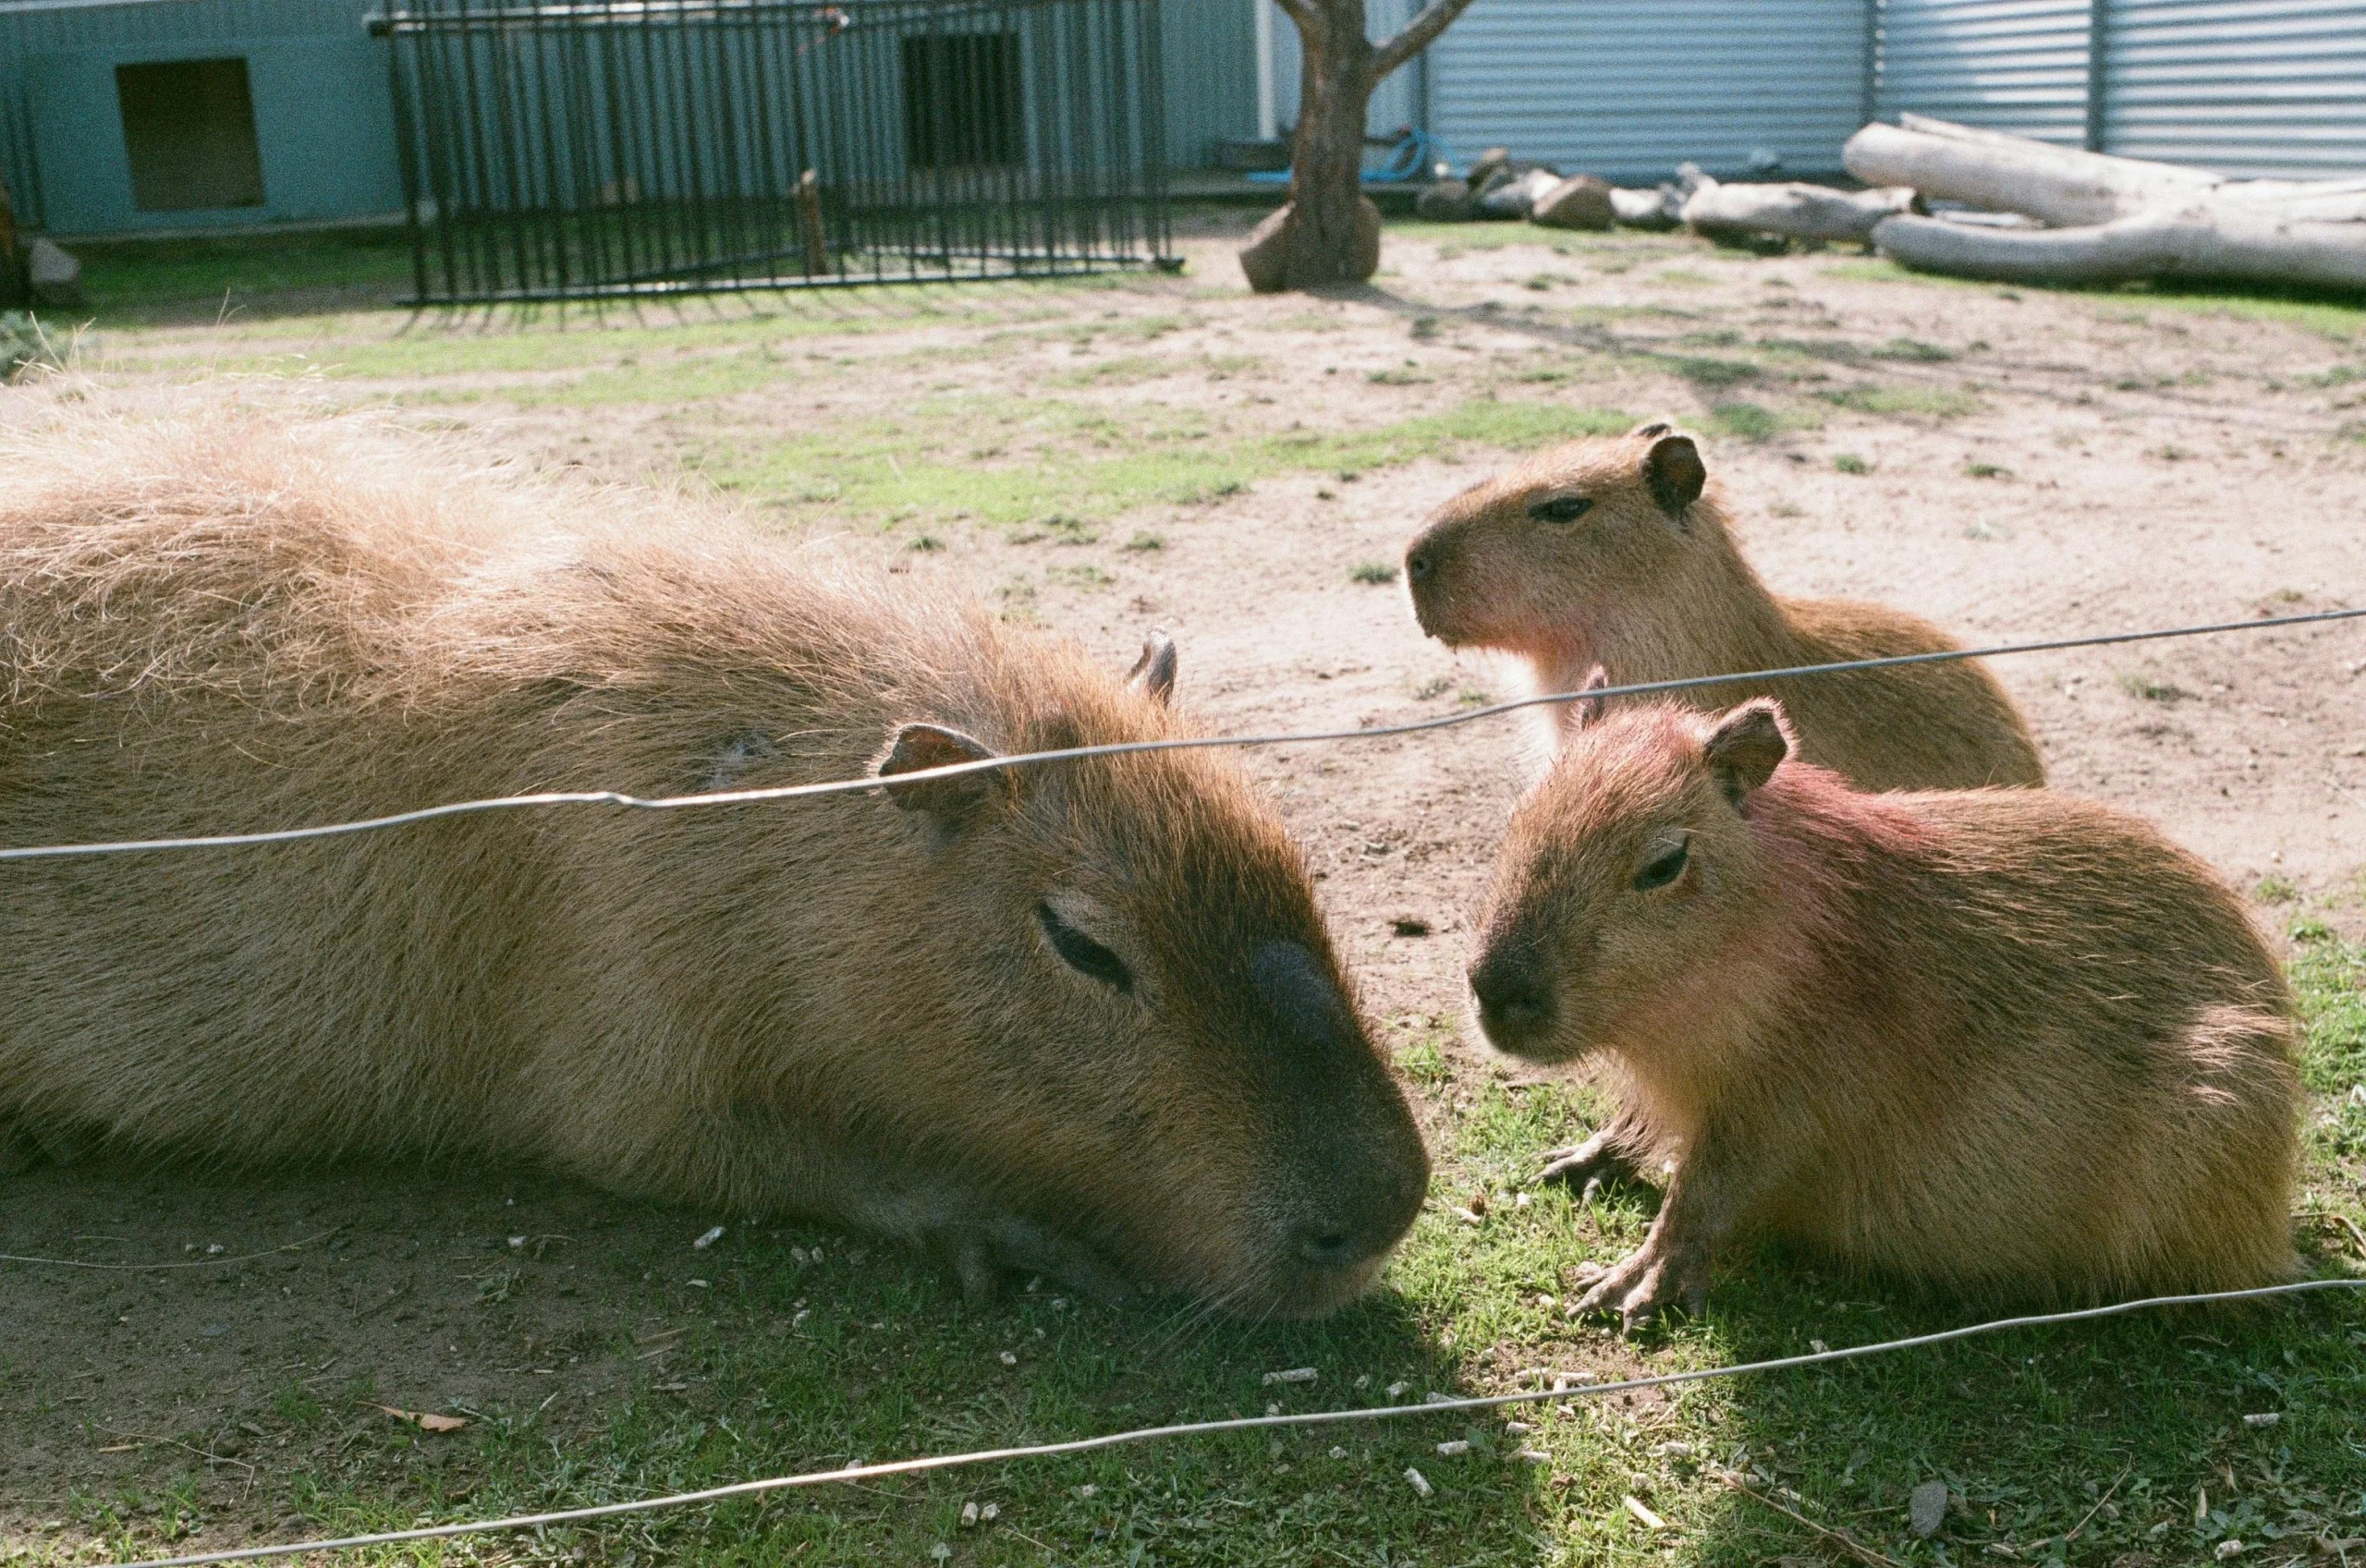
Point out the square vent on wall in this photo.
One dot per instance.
(188, 129)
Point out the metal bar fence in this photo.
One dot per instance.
(585, 149)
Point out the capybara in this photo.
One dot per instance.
(1999, 1043)
(1079, 1018)
(1619, 553)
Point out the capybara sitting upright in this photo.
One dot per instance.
(2000, 1043)
(1077, 1018)
(1615, 552)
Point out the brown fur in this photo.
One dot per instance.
(1648, 584)
(2002, 1043)
(833, 1007)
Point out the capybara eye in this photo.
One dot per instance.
(1081, 953)
(1663, 868)
(1560, 508)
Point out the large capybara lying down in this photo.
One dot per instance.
(1079, 1018)
(1999, 1042)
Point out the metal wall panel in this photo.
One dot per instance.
(2271, 87)
(1630, 89)
(2017, 65)
(1210, 70)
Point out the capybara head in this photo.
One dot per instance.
(1629, 875)
(1173, 1075)
(1567, 535)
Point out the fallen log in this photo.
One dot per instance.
(1799, 211)
(2064, 187)
(2230, 242)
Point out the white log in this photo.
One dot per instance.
(2064, 187)
(1802, 212)
(2204, 240)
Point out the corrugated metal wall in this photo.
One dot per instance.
(2017, 65)
(1211, 67)
(2245, 87)
(1630, 88)
(323, 124)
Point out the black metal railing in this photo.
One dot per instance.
(602, 148)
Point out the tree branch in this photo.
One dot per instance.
(1414, 37)
(1308, 19)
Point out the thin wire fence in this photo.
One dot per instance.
(588, 149)
(1120, 748)
(855, 1472)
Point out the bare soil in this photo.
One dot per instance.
(2050, 465)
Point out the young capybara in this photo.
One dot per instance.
(1619, 553)
(1079, 1019)
(1999, 1043)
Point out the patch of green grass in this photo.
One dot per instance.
(1683, 277)
(1144, 540)
(1849, 463)
(1751, 421)
(2324, 314)
(1712, 373)
(2150, 689)
(136, 277)
(1084, 462)
(2112, 1429)
(25, 340)
(1986, 471)
(1915, 351)
(1930, 401)
(1375, 572)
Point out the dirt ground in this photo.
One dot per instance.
(2040, 466)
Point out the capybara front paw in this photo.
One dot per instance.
(983, 1253)
(1586, 1165)
(1649, 1282)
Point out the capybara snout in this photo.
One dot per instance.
(1079, 1019)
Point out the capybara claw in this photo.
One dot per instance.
(1585, 1165)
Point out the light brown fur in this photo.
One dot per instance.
(1646, 582)
(832, 1007)
(2000, 1043)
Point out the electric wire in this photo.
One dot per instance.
(1121, 748)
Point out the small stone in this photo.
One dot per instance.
(1009, 1357)
(1419, 1482)
(1517, 1428)
(990, 1512)
(2264, 1418)
(1397, 1390)
(54, 274)
(1444, 201)
(1339, 1454)
(1493, 162)
(1087, 1491)
(1926, 1508)
(1295, 1375)
(1579, 201)
(708, 1239)
(1454, 1448)
(2228, 1548)
(969, 1514)
(1265, 255)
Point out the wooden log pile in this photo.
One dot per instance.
(2099, 219)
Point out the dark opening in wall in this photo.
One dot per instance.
(189, 129)
(962, 99)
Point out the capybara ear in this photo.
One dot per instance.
(1746, 746)
(1154, 673)
(1674, 471)
(950, 801)
(1588, 710)
(1657, 427)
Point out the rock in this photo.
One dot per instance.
(1517, 198)
(1494, 161)
(1662, 207)
(1926, 1508)
(1265, 255)
(54, 275)
(1579, 201)
(1445, 201)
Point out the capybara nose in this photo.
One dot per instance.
(1419, 565)
(1515, 999)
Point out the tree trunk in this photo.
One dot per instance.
(1329, 233)
(1327, 160)
(2234, 241)
(2064, 188)
(1800, 211)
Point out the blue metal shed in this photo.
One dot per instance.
(123, 117)
(126, 115)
